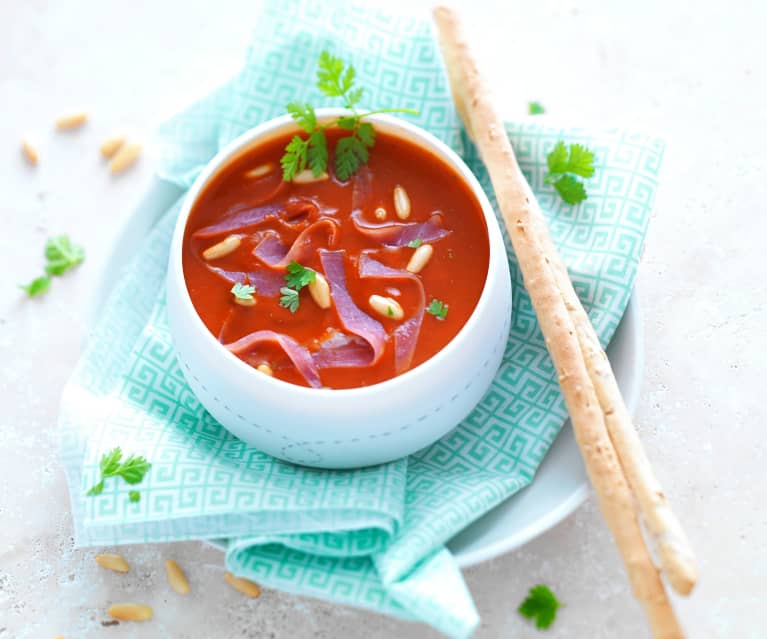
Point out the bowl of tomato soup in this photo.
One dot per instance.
(338, 323)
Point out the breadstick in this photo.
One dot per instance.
(519, 209)
(674, 552)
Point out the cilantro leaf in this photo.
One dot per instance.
(37, 286)
(132, 470)
(581, 161)
(62, 255)
(243, 291)
(110, 461)
(366, 133)
(289, 299)
(353, 98)
(564, 164)
(415, 243)
(541, 605)
(294, 159)
(134, 496)
(299, 276)
(329, 70)
(535, 108)
(438, 309)
(348, 122)
(351, 153)
(557, 159)
(304, 115)
(318, 152)
(570, 189)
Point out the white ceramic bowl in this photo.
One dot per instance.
(351, 427)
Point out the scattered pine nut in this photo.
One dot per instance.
(245, 586)
(260, 171)
(320, 291)
(176, 577)
(30, 152)
(401, 203)
(380, 213)
(111, 145)
(250, 301)
(420, 258)
(307, 177)
(130, 612)
(386, 307)
(228, 245)
(112, 562)
(125, 157)
(266, 370)
(71, 121)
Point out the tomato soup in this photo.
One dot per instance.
(337, 284)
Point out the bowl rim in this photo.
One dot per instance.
(279, 125)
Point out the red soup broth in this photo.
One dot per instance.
(336, 226)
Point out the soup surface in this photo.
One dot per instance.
(402, 247)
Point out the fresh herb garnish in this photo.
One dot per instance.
(535, 108)
(541, 605)
(335, 80)
(37, 286)
(243, 291)
(438, 309)
(132, 470)
(61, 255)
(289, 299)
(415, 243)
(134, 496)
(564, 163)
(299, 276)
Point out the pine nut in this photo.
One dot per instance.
(307, 177)
(380, 213)
(401, 203)
(30, 152)
(386, 306)
(130, 612)
(245, 586)
(251, 301)
(111, 145)
(260, 171)
(112, 562)
(320, 291)
(228, 245)
(71, 121)
(420, 258)
(125, 157)
(176, 577)
(266, 370)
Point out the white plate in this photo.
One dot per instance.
(560, 485)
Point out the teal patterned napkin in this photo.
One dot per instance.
(372, 537)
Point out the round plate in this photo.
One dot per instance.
(560, 485)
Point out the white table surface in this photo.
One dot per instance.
(693, 72)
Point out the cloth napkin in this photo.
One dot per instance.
(372, 537)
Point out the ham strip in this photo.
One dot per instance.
(342, 351)
(266, 282)
(406, 334)
(273, 252)
(354, 320)
(297, 354)
(401, 233)
(239, 219)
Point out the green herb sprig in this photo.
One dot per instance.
(540, 605)
(334, 80)
(243, 291)
(61, 256)
(566, 162)
(132, 470)
(438, 309)
(535, 108)
(296, 278)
